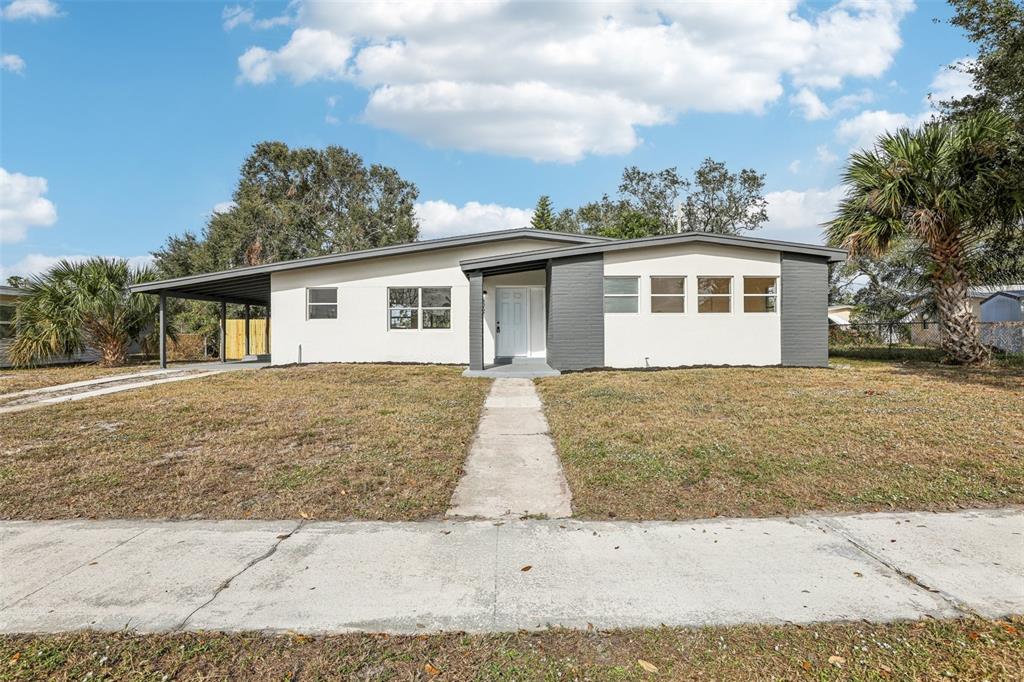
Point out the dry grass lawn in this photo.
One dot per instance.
(862, 436)
(324, 441)
(963, 650)
(15, 380)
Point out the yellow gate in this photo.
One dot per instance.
(235, 338)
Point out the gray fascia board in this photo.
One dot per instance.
(832, 254)
(382, 252)
(1016, 295)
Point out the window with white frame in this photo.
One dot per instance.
(6, 320)
(322, 304)
(419, 307)
(668, 294)
(714, 294)
(621, 294)
(760, 294)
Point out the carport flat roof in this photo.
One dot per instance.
(511, 261)
(251, 285)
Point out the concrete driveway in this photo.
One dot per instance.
(483, 576)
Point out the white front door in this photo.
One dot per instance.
(511, 320)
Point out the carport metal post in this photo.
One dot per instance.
(266, 332)
(223, 330)
(163, 331)
(247, 330)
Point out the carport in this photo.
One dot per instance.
(246, 287)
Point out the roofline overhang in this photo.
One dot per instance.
(833, 255)
(177, 283)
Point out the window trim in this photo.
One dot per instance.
(729, 296)
(336, 304)
(604, 296)
(774, 296)
(419, 308)
(654, 295)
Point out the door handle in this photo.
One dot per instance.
(497, 327)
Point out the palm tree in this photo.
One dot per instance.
(951, 187)
(82, 305)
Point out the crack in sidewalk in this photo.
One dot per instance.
(909, 577)
(227, 583)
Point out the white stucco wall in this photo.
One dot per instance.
(361, 333)
(647, 339)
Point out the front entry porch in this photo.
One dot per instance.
(515, 368)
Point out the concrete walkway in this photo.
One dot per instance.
(117, 383)
(512, 469)
(493, 576)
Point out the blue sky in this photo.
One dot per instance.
(124, 123)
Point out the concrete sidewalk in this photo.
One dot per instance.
(499, 576)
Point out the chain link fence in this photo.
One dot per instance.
(892, 339)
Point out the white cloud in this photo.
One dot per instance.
(236, 15)
(37, 263)
(802, 210)
(950, 83)
(812, 108)
(308, 55)
(332, 120)
(12, 63)
(22, 205)
(861, 131)
(794, 166)
(442, 219)
(824, 154)
(223, 206)
(31, 9)
(809, 105)
(558, 81)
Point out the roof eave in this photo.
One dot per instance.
(832, 254)
(366, 254)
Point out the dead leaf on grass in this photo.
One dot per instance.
(647, 665)
(431, 670)
(837, 661)
(806, 665)
(1006, 626)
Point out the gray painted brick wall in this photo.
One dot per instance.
(804, 310)
(575, 325)
(476, 320)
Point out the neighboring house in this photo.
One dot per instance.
(840, 314)
(924, 327)
(1002, 317)
(1005, 306)
(8, 304)
(576, 301)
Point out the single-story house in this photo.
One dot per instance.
(574, 301)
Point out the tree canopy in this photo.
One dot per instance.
(949, 186)
(658, 202)
(297, 203)
(543, 215)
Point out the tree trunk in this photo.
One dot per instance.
(113, 352)
(961, 341)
